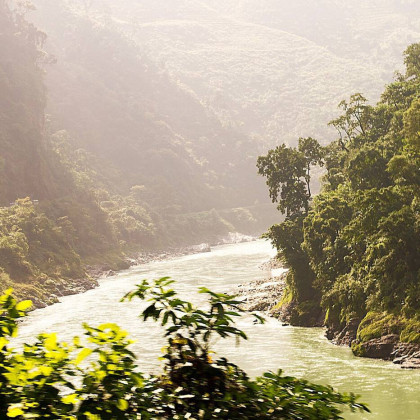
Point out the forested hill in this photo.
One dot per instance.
(48, 223)
(24, 166)
(114, 165)
(275, 68)
(116, 103)
(354, 250)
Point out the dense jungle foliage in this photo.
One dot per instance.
(96, 377)
(354, 249)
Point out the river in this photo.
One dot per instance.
(390, 392)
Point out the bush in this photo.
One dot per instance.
(57, 380)
(375, 325)
(411, 332)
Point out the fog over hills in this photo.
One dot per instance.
(199, 89)
(136, 133)
(117, 103)
(275, 69)
(138, 123)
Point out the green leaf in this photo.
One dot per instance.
(82, 355)
(14, 411)
(24, 305)
(70, 399)
(122, 405)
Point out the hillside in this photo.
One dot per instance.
(24, 166)
(102, 172)
(37, 251)
(157, 134)
(277, 69)
(199, 89)
(137, 125)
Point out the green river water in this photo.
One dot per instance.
(391, 392)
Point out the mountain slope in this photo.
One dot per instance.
(118, 105)
(199, 89)
(274, 68)
(24, 165)
(115, 167)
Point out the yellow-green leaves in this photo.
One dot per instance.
(15, 411)
(91, 416)
(122, 404)
(3, 343)
(83, 354)
(45, 380)
(50, 341)
(12, 311)
(24, 305)
(6, 294)
(70, 399)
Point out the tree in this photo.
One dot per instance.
(366, 168)
(313, 153)
(412, 125)
(287, 238)
(360, 253)
(412, 60)
(285, 170)
(354, 122)
(288, 172)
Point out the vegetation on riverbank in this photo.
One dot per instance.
(100, 380)
(354, 250)
(45, 256)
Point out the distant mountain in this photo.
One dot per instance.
(119, 105)
(192, 91)
(274, 68)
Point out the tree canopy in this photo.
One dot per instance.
(356, 250)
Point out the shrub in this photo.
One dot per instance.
(57, 380)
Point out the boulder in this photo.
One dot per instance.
(347, 335)
(201, 248)
(407, 355)
(380, 348)
(411, 363)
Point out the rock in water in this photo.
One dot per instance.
(202, 248)
(236, 238)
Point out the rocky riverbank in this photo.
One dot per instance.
(264, 296)
(388, 347)
(50, 291)
(98, 271)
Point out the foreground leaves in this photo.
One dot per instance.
(100, 379)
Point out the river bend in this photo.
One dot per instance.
(392, 393)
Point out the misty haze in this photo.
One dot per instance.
(210, 209)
